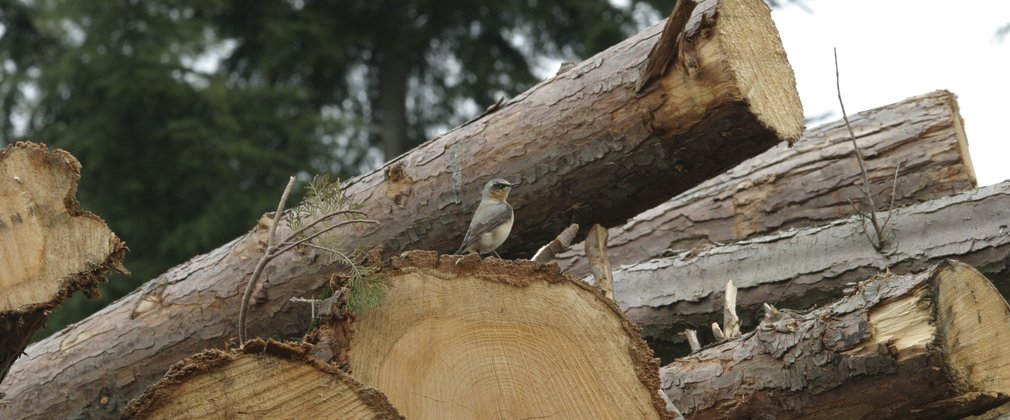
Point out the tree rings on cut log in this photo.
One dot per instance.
(926, 345)
(264, 379)
(461, 338)
(49, 248)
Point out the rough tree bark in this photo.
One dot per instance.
(927, 345)
(461, 338)
(49, 248)
(264, 379)
(581, 142)
(807, 184)
(799, 268)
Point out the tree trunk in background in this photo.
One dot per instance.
(394, 73)
(800, 268)
(49, 248)
(501, 339)
(264, 379)
(586, 145)
(929, 345)
(808, 184)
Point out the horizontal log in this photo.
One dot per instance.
(807, 184)
(916, 346)
(803, 267)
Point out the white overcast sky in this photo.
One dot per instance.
(889, 50)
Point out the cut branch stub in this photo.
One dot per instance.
(49, 248)
(265, 379)
(501, 339)
(927, 345)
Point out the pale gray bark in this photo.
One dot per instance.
(802, 267)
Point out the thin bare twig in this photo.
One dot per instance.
(251, 284)
(302, 230)
(865, 188)
(894, 193)
(288, 245)
(275, 249)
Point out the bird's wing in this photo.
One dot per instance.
(486, 218)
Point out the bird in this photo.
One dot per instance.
(492, 221)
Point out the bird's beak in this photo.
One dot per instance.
(513, 184)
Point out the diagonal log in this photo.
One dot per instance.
(803, 267)
(807, 184)
(587, 147)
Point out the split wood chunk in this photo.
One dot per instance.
(501, 339)
(807, 184)
(264, 379)
(927, 345)
(49, 248)
(804, 267)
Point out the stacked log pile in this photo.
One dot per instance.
(698, 116)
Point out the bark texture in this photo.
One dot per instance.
(49, 248)
(265, 379)
(461, 338)
(927, 345)
(807, 184)
(800, 268)
(580, 142)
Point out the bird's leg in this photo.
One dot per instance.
(496, 254)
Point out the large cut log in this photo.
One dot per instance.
(918, 346)
(49, 248)
(808, 184)
(587, 144)
(460, 338)
(803, 267)
(264, 379)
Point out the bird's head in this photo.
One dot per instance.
(497, 189)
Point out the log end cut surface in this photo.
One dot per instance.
(755, 53)
(46, 242)
(501, 339)
(49, 248)
(974, 339)
(263, 380)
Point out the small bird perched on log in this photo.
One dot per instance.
(492, 221)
